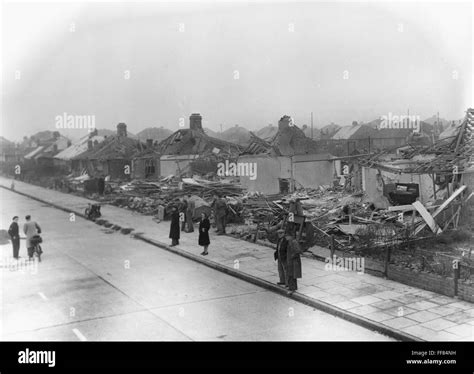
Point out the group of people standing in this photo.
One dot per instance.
(287, 254)
(31, 230)
(182, 213)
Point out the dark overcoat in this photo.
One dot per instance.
(174, 227)
(294, 259)
(204, 227)
(220, 208)
(14, 230)
(281, 250)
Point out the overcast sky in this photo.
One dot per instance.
(289, 58)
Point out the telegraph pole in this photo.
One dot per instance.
(312, 125)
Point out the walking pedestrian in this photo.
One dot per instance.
(190, 214)
(204, 227)
(293, 263)
(280, 256)
(30, 228)
(174, 227)
(14, 232)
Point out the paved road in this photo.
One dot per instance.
(95, 285)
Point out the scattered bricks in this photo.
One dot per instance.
(108, 224)
(116, 227)
(100, 221)
(126, 231)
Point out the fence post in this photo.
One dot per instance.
(457, 275)
(387, 260)
(333, 246)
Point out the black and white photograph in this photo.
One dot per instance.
(237, 171)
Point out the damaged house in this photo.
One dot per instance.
(112, 157)
(9, 152)
(189, 151)
(42, 156)
(427, 174)
(146, 163)
(87, 142)
(287, 162)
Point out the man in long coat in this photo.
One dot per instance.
(293, 263)
(190, 214)
(14, 232)
(281, 256)
(30, 228)
(220, 212)
(174, 227)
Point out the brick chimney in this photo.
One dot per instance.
(284, 122)
(122, 129)
(195, 122)
(149, 143)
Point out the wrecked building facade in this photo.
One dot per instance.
(182, 151)
(432, 172)
(112, 157)
(289, 161)
(146, 163)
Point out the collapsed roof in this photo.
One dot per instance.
(195, 141)
(288, 141)
(441, 157)
(118, 146)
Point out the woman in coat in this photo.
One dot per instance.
(293, 263)
(174, 227)
(204, 227)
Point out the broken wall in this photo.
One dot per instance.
(371, 184)
(139, 166)
(314, 174)
(118, 169)
(269, 170)
(468, 180)
(174, 165)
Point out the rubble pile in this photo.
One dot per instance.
(350, 219)
(147, 196)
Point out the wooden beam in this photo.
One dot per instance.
(442, 206)
(408, 208)
(401, 208)
(452, 218)
(427, 217)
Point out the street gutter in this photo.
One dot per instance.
(320, 305)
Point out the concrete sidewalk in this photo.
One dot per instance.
(394, 309)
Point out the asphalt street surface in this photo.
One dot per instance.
(96, 285)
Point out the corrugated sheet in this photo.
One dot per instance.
(34, 153)
(78, 148)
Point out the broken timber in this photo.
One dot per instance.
(437, 211)
(427, 217)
